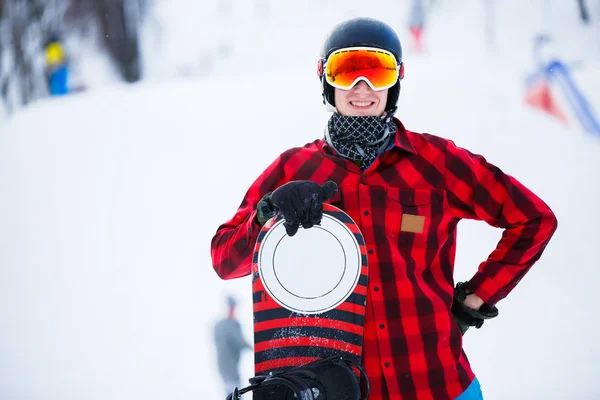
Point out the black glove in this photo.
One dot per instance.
(300, 203)
(467, 317)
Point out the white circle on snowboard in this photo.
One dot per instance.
(315, 270)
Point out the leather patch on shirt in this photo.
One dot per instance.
(412, 223)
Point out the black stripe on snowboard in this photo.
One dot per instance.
(358, 299)
(359, 239)
(340, 216)
(363, 280)
(308, 331)
(261, 236)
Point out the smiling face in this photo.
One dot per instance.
(360, 101)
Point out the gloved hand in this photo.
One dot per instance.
(300, 203)
(467, 317)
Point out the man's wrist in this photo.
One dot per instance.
(265, 209)
(473, 301)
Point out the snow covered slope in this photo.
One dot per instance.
(110, 199)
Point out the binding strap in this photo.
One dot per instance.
(331, 378)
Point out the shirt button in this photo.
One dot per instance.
(366, 213)
(370, 251)
(387, 364)
(381, 326)
(376, 288)
(243, 241)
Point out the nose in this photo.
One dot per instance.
(362, 88)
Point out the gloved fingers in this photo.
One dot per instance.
(291, 217)
(290, 214)
(304, 214)
(295, 208)
(301, 203)
(309, 202)
(328, 189)
(316, 212)
(306, 219)
(291, 228)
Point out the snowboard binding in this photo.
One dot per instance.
(331, 378)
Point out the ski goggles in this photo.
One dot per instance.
(345, 67)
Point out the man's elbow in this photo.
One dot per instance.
(227, 270)
(549, 221)
(221, 273)
(224, 269)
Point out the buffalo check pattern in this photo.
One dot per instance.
(408, 204)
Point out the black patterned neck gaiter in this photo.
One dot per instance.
(359, 139)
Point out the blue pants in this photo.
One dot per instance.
(473, 392)
(58, 81)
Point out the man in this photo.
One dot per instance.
(229, 343)
(407, 192)
(417, 23)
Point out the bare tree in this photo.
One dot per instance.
(5, 58)
(26, 25)
(22, 24)
(583, 11)
(119, 22)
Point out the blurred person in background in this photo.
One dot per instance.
(406, 191)
(416, 24)
(230, 343)
(57, 70)
(583, 11)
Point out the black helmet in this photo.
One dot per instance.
(366, 32)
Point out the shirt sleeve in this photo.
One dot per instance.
(233, 244)
(479, 190)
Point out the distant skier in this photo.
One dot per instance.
(229, 343)
(416, 24)
(57, 68)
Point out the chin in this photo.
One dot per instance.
(365, 113)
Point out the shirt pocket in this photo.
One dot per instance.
(409, 215)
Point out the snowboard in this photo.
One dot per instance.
(309, 293)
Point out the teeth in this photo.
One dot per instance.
(361, 103)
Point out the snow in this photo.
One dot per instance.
(110, 199)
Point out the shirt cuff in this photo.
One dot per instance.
(252, 227)
(485, 287)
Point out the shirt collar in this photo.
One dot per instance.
(401, 139)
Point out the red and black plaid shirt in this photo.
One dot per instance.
(407, 205)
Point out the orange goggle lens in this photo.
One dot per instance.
(345, 67)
